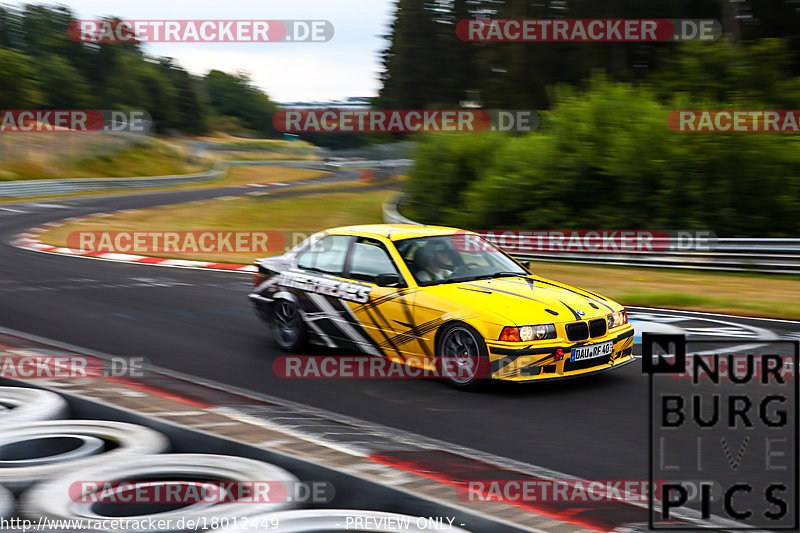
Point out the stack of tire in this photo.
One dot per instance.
(43, 455)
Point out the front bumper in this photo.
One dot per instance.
(534, 362)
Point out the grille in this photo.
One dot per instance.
(597, 328)
(586, 363)
(577, 331)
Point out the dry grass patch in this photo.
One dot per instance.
(303, 214)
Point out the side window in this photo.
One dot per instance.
(369, 260)
(408, 250)
(326, 255)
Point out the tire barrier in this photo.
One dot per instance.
(66, 498)
(92, 472)
(23, 451)
(27, 405)
(341, 520)
(42, 450)
(6, 503)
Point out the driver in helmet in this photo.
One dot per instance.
(433, 262)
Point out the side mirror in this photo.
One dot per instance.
(387, 280)
(529, 266)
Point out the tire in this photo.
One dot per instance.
(23, 451)
(332, 520)
(287, 325)
(462, 358)
(6, 503)
(52, 499)
(118, 441)
(29, 405)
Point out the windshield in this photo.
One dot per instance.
(451, 258)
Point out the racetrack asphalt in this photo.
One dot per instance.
(200, 323)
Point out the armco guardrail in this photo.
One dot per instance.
(32, 188)
(771, 256)
(391, 215)
(395, 150)
(732, 255)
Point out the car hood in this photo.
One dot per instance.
(531, 300)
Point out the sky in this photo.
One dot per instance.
(347, 65)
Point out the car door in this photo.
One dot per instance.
(324, 263)
(387, 315)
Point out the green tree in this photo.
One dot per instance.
(11, 34)
(191, 112)
(412, 63)
(235, 96)
(19, 88)
(62, 86)
(606, 155)
(755, 72)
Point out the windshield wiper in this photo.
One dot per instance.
(508, 275)
(493, 275)
(481, 276)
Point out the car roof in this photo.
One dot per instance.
(396, 232)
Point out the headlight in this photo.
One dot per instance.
(617, 319)
(539, 332)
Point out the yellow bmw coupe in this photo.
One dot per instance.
(424, 295)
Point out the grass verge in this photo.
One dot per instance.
(305, 214)
(112, 155)
(728, 293)
(96, 159)
(234, 176)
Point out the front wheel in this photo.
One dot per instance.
(288, 328)
(462, 358)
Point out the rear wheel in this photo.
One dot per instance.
(288, 328)
(462, 358)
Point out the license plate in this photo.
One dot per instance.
(593, 350)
